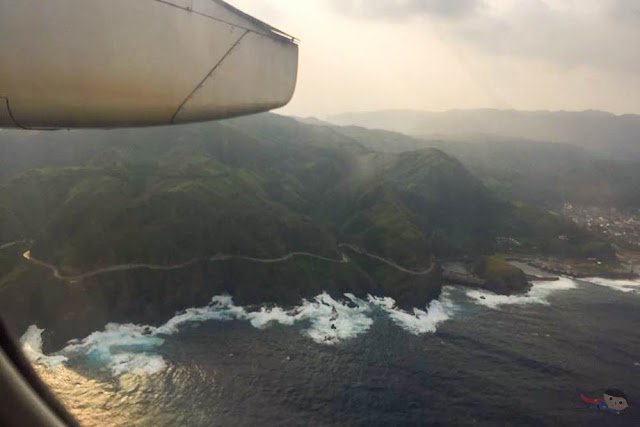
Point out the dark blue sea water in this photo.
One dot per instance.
(472, 358)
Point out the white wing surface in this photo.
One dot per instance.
(124, 63)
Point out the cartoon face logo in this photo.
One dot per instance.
(616, 400)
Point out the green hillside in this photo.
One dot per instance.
(518, 169)
(261, 187)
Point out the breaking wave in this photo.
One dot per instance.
(421, 321)
(330, 321)
(628, 286)
(538, 294)
(129, 348)
(31, 342)
(121, 348)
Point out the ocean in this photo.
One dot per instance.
(469, 358)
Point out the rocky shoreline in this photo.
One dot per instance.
(74, 308)
(69, 309)
(576, 269)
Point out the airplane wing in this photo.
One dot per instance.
(123, 63)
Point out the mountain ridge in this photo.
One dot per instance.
(606, 134)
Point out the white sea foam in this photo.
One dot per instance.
(124, 363)
(628, 286)
(121, 348)
(221, 308)
(330, 321)
(268, 316)
(333, 321)
(129, 348)
(420, 322)
(31, 342)
(538, 294)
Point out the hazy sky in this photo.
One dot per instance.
(361, 55)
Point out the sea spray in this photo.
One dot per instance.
(333, 321)
(627, 286)
(220, 308)
(330, 321)
(421, 321)
(31, 342)
(538, 294)
(129, 348)
(121, 348)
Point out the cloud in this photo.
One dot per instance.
(603, 34)
(406, 9)
(627, 11)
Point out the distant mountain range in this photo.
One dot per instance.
(608, 135)
(541, 173)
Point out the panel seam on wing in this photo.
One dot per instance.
(274, 31)
(11, 116)
(209, 74)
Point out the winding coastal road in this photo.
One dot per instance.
(360, 251)
(219, 258)
(8, 245)
(97, 272)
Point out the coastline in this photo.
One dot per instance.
(74, 306)
(150, 294)
(575, 269)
